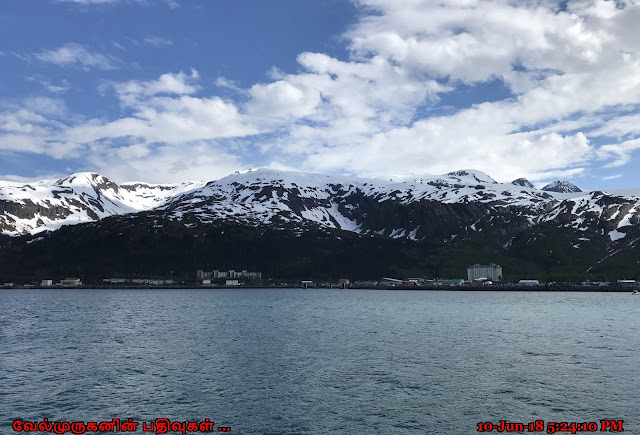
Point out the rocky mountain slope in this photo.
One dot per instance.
(448, 206)
(256, 197)
(561, 187)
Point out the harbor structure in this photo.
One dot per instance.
(71, 282)
(492, 272)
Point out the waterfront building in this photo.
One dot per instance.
(481, 281)
(151, 281)
(490, 271)
(448, 282)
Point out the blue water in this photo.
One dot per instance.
(320, 361)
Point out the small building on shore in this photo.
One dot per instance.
(391, 282)
(70, 282)
(448, 282)
(343, 282)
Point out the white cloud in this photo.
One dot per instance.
(567, 70)
(61, 87)
(223, 82)
(573, 74)
(157, 41)
(149, 41)
(57, 89)
(621, 152)
(164, 110)
(170, 120)
(34, 125)
(41, 176)
(168, 135)
(167, 163)
(612, 177)
(75, 54)
(53, 107)
(178, 84)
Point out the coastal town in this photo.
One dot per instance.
(478, 277)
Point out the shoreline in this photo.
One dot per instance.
(577, 288)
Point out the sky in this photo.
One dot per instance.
(166, 91)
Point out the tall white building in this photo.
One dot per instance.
(489, 271)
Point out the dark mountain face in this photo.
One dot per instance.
(560, 186)
(523, 182)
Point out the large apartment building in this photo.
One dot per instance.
(491, 271)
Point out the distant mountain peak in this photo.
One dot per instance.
(562, 186)
(84, 178)
(523, 182)
(478, 176)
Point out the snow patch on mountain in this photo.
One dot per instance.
(471, 175)
(616, 235)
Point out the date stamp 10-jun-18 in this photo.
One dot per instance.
(553, 426)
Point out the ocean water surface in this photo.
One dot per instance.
(293, 361)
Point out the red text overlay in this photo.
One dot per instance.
(158, 426)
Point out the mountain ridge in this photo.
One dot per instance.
(433, 223)
(33, 207)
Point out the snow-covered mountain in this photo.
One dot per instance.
(461, 201)
(445, 206)
(295, 200)
(304, 224)
(30, 208)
